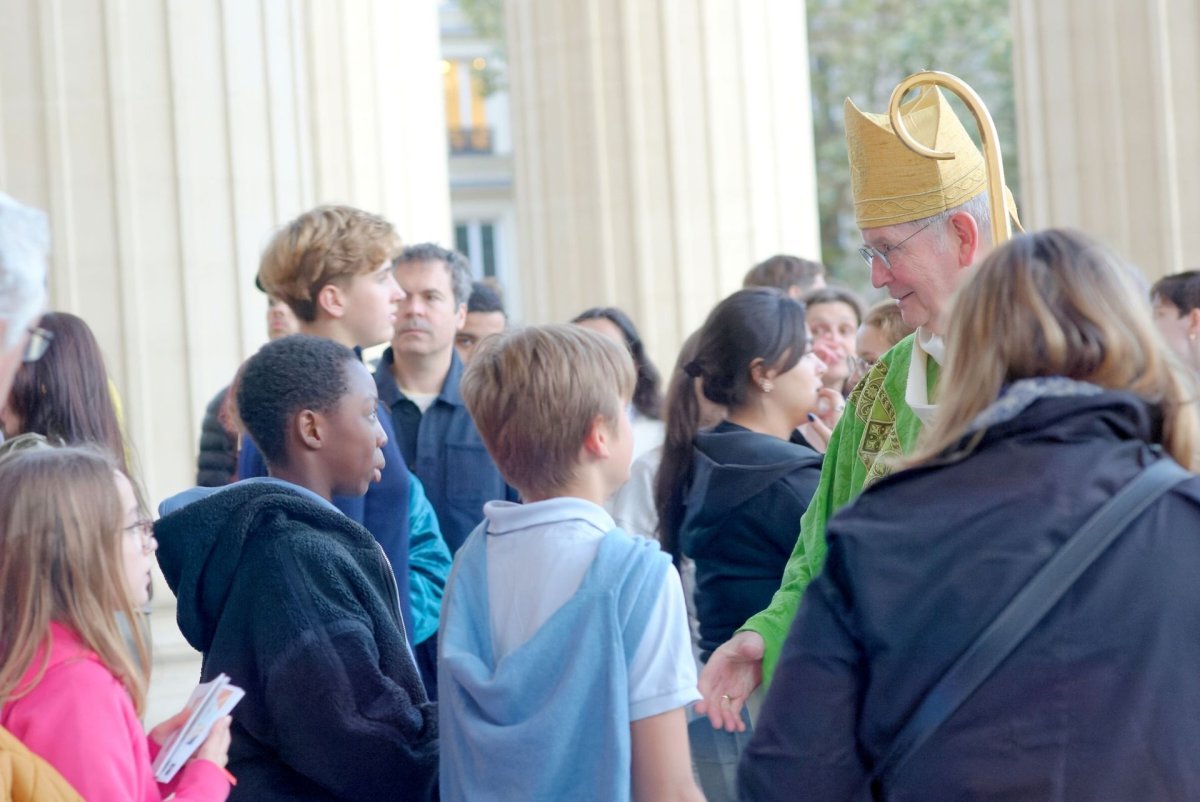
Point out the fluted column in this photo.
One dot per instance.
(660, 150)
(1108, 106)
(167, 138)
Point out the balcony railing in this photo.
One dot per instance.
(470, 140)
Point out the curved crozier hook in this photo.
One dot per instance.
(1001, 228)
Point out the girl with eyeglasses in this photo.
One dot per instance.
(75, 555)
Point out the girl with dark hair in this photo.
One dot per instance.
(731, 498)
(64, 396)
(647, 395)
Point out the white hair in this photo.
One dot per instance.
(24, 249)
(978, 207)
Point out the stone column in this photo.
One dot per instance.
(1108, 106)
(167, 138)
(661, 149)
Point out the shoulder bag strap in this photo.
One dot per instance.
(1027, 608)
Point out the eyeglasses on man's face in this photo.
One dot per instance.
(39, 342)
(870, 254)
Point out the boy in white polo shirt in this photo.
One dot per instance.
(565, 660)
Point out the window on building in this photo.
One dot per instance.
(476, 239)
(462, 241)
(466, 113)
(487, 235)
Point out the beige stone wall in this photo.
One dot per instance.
(661, 149)
(1108, 106)
(167, 139)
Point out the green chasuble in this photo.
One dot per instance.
(876, 427)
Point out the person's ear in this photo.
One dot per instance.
(331, 299)
(1193, 323)
(309, 429)
(598, 440)
(965, 232)
(460, 317)
(762, 376)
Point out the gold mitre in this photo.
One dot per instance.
(891, 184)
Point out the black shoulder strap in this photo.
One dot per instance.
(1027, 608)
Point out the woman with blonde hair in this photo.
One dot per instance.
(957, 644)
(75, 552)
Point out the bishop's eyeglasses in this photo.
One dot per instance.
(869, 254)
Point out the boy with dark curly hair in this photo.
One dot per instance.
(296, 602)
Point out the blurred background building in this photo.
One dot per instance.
(167, 140)
(480, 146)
(581, 152)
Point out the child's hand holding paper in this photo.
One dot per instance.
(201, 728)
(216, 746)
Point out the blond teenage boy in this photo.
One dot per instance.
(565, 660)
(333, 266)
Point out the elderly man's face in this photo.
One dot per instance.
(925, 268)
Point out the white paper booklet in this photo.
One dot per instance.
(208, 703)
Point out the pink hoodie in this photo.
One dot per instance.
(80, 720)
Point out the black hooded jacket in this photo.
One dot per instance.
(742, 513)
(1101, 701)
(297, 604)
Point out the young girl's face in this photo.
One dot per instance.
(137, 543)
(797, 390)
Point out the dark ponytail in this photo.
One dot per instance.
(674, 471)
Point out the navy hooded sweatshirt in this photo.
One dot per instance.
(741, 519)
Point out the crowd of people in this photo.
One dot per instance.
(937, 548)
